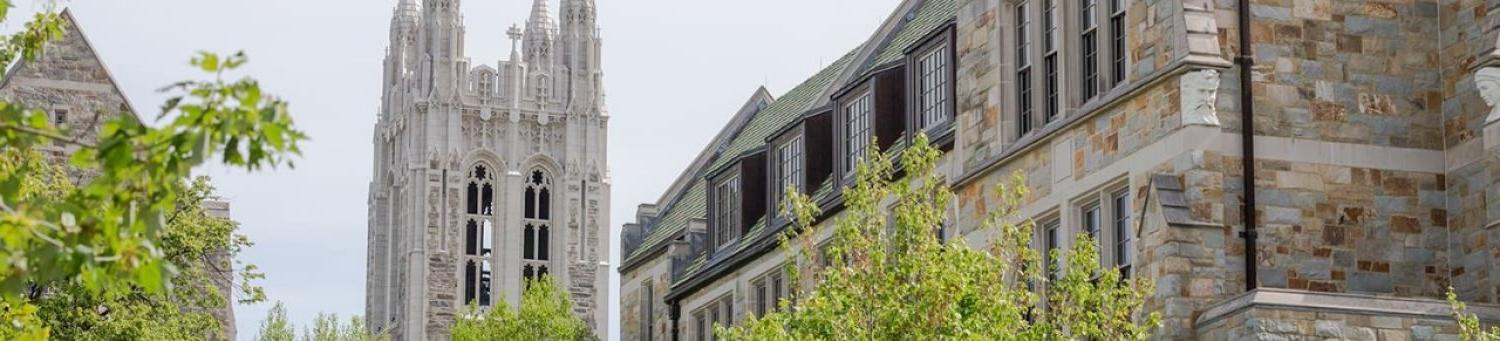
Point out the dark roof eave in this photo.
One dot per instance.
(652, 252)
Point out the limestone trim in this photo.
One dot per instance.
(63, 84)
(1339, 302)
(1338, 154)
(1020, 147)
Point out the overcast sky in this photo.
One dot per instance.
(675, 70)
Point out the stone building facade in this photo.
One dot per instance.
(486, 176)
(1374, 133)
(71, 83)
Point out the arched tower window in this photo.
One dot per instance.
(479, 233)
(537, 219)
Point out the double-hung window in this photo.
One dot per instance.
(1052, 238)
(1117, 41)
(1091, 218)
(1089, 46)
(934, 97)
(716, 313)
(1049, 61)
(856, 122)
(1023, 68)
(789, 171)
(726, 211)
(1106, 217)
(1124, 241)
(768, 291)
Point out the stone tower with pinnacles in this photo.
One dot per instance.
(486, 176)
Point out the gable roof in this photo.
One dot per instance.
(693, 203)
(760, 99)
(912, 21)
(72, 33)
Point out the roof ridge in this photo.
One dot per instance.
(71, 23)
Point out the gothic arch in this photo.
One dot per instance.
(485, 156)
(481, 193)
(540, 192)
(543, 161)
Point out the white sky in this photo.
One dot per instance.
(675, 70)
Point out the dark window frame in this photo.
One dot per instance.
(778, 163)
(940, 44)
(725, 217)
(863, 97)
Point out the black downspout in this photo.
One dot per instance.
(676, 313)
(1247, 141)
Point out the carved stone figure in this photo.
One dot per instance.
(1200, 92)
(1487, 81)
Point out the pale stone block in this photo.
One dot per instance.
(1313, 9)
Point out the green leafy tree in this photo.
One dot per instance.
(104, 235)
(276, 326)
(198, 244)
(1469, 326)
(891, 278)
(326, 327)
(546, 314)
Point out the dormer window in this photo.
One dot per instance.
(934, 95)
(790, 172)
(726, 211)
(856, 124)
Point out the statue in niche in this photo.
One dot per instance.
(1200, 93)
(1487, 81)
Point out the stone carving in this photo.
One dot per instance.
(1487, 81)
(1200, 92)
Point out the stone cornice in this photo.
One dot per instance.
(1339, 302)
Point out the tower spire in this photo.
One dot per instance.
(540, 31)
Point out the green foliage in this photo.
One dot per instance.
(546, 314)
(326, 327)
(891, 278)
(196, 243)
(276, 326)
(1468, 324)
(101, 238)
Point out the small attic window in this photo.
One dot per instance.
(59, 117)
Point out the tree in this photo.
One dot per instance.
(198, 244)
(276, 327)
(546, 314)
(326, 327)
(1470, 329)
(890, 277)
(104, 234)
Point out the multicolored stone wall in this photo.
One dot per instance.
(1468, 43)
(1159, 39)
(1287, 324)
(658, 271)
(1328, 228)
(1348, 71)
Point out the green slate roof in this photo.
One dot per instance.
(692, 205)
(786, 109)
(780, 112)
(933, 14)
(783, 111)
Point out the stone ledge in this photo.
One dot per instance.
(1339, 302)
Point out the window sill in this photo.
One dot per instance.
(1078, 115)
